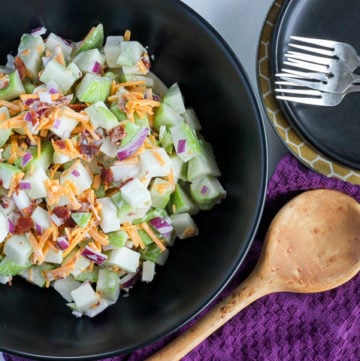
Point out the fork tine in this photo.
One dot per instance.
(308, 92)
(307, 57)
(287, 81)
(311, 49)
(301, 74)
(310, 101)
(324, 43)
(307, 66)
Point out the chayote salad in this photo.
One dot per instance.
(101, 167)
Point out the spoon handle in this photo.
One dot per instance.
(253, 288)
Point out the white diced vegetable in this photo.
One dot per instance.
(112, 50)
(21, 199)
(136, 194)
(53, 256)
(63, 124)
(124, 170)
(148, 271)
(41, 219)
(18, 248)
(101, 116)
(124, 258)
(65, 286)
(84, 296)
(4, 227)
(184, 225)
(155, 163)
(78, 175)
(81, 264)
(37, 180)
(108, 214)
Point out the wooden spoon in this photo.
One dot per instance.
(312, 245)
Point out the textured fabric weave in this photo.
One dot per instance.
(282, 326)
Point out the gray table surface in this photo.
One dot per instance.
(239, 22)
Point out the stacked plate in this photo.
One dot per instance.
(331, 133)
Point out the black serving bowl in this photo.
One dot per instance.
(35, 322)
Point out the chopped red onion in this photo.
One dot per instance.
(56, 123)
(29, 101)
(62, 242)
(52, 88)
(38, 31)
(26, 159)
(95, 256)
(38, 228)
(130, 279)
(11, 226)
(96, 68)
(25, 185)
(133, 145)
(75, 173)
(181, 145)
(204, 190)
(28, 117)
(161, 225)
(156, 97)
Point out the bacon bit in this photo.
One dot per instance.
(60, 143)
(106, 176)
(77, 107)
(62, 212)
(20, 67)
(89, 150)
(152, 235)
(23, 224)
(127, 35)
(132, 232)
(117, 134)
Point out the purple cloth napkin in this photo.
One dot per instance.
(282, 326)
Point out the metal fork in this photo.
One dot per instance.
(295, 93)
(334, 77)
(328, 48)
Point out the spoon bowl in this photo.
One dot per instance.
(312, 245)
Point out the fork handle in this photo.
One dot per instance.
(353, 88)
